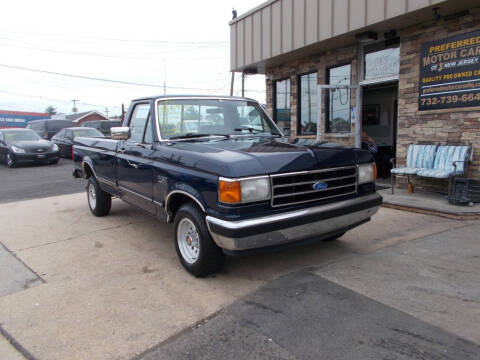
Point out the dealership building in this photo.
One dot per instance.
(401, 71)
(18, 119)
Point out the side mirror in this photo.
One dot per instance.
(120, 133)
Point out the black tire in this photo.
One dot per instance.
(210, 257)
(9, 161)
(53, 162)
(103, 201)
(333, 238)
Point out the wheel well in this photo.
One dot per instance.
(176, 201)
(87, 171)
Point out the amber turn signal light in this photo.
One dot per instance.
(374, 171)
(229, 191)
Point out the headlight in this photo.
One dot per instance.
(232, 191)
(17, 149)
(54, 147)
(367, 173)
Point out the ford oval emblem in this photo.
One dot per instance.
(320, 186)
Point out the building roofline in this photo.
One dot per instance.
(251, 11)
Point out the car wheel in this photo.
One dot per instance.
(9, 160)
(333, 238)
(53, 162)
(99, 201)
(197, 251)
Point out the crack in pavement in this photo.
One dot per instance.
(79, 235)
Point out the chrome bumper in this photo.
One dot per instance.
(319, 222)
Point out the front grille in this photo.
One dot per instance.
(295, 188)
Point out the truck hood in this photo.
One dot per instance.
(249, 156)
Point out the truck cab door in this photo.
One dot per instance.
(134, 164)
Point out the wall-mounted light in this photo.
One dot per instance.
(436, 15)
(366, 37)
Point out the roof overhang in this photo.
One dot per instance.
(281, 31)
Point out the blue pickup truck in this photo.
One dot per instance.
(224, 174)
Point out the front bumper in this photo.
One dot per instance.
(320, 222)
(34, 157)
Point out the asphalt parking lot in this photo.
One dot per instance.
(37, 181)
(72, 286)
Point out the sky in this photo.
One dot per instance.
(182, 44)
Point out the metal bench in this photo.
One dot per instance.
(419, 157)
(435, 161)
(450, 161)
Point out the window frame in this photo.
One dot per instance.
(146, 123)
(299, 102)
(327, 102)
(274, 101)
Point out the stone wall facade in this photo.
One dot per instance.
(459, 126)
(449, 126)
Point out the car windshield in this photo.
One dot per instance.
(28, 135)
(184, 118)
(87, 132)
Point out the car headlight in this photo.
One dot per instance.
(240, 191)
(367, 173)
(18, 150)
(54, 147)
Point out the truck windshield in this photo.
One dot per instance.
(186, 118)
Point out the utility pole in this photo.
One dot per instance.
(164, 77)
(243, 84)
(106, 111)
(231, 83)
(74, 103)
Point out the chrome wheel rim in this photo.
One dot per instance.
(188, 240)
(9, 160)
(92, 197)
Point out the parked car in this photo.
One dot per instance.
(102, 125)
(47, 128)
(64, 138)
(20, 146)
(229, 187)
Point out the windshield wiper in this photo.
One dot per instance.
(195, 135)
(249, 128)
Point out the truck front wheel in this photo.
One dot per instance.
(99, 201)
(195, 247)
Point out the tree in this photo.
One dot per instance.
(51, 110)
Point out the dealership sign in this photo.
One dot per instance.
(450, 73)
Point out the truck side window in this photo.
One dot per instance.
(148, 138)
(138, 121)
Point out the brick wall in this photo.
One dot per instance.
(449, 126)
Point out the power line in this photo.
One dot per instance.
(114, 56)
(70, 36)
(53, 99)
(102, 79)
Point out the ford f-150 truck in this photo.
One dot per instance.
(221, 170)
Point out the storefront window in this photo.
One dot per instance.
(382, 64)
(282, 105)
(308, 104)
(339, 100)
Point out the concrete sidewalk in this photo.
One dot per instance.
(114, 287)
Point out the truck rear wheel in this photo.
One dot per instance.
(99, 201)
(197, 251)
